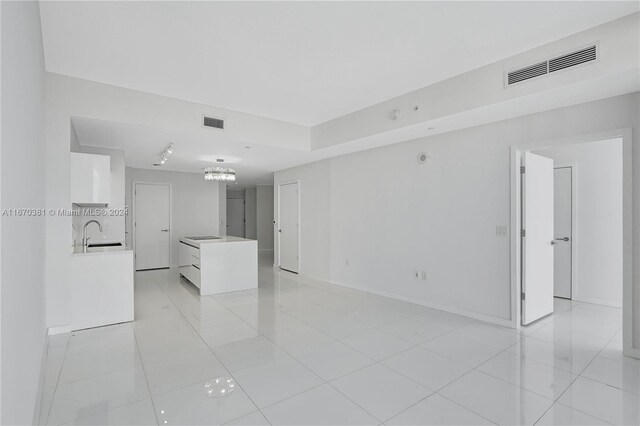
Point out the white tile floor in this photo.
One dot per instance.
(297, 351)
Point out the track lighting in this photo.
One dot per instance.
(164, 155)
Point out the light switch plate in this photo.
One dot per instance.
(501, 230)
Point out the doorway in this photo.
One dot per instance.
(235, 217)
(563, 231)
(152, 225)
(598, 226)
(288, 227)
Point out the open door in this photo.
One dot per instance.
(288, 229)
(537, 237)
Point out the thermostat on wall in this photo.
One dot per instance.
(423, 157)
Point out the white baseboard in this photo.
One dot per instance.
(598, 302)
(473, 315)
(59, 330)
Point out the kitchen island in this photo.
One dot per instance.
(219, 264)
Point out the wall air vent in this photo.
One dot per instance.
(572, 59)
(527, 72)
(213, 122)
(582, 56)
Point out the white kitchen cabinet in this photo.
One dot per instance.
(189, 258)
(101, 288)
(219, 265)
(90, 179)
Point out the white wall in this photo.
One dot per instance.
(113, 226)
(480, 94)
(389, 216)
(23, 291)
(194, 204)
(264, 217)
(250, 226)
(598, 239)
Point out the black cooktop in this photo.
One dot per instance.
(206, 237)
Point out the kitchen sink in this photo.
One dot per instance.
(102, 247)
(105, 245)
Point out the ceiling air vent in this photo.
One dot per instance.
(572, 59)
(582, 56)
(213, 122)
(527, 72)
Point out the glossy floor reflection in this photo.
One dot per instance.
(298, 351)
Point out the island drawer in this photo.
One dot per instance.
(187, 253)
(192, 273)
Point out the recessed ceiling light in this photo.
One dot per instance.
(247, 147)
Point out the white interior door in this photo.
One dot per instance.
(152, 221)
(562, 190)
(235, 217)
(288, 230)
(538, 240)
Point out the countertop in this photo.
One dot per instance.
(97, 251)
(225, 239)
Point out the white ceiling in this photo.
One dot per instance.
(300, 62)
(192, 153)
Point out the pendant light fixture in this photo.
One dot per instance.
(221, 174)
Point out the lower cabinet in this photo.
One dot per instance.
(101, 289)
(190, 263)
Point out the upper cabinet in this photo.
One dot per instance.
(90, 179)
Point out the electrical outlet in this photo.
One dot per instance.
(501, 231)
(424, 275)
(416, 275)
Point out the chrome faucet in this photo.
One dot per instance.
(85, 239)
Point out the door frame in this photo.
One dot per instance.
(627, 226)
(133, 210)
(574, 222)
(280, 184)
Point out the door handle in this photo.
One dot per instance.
(279, 230)
(562, 239)
(164, 230)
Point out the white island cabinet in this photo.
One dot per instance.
(219, 264)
